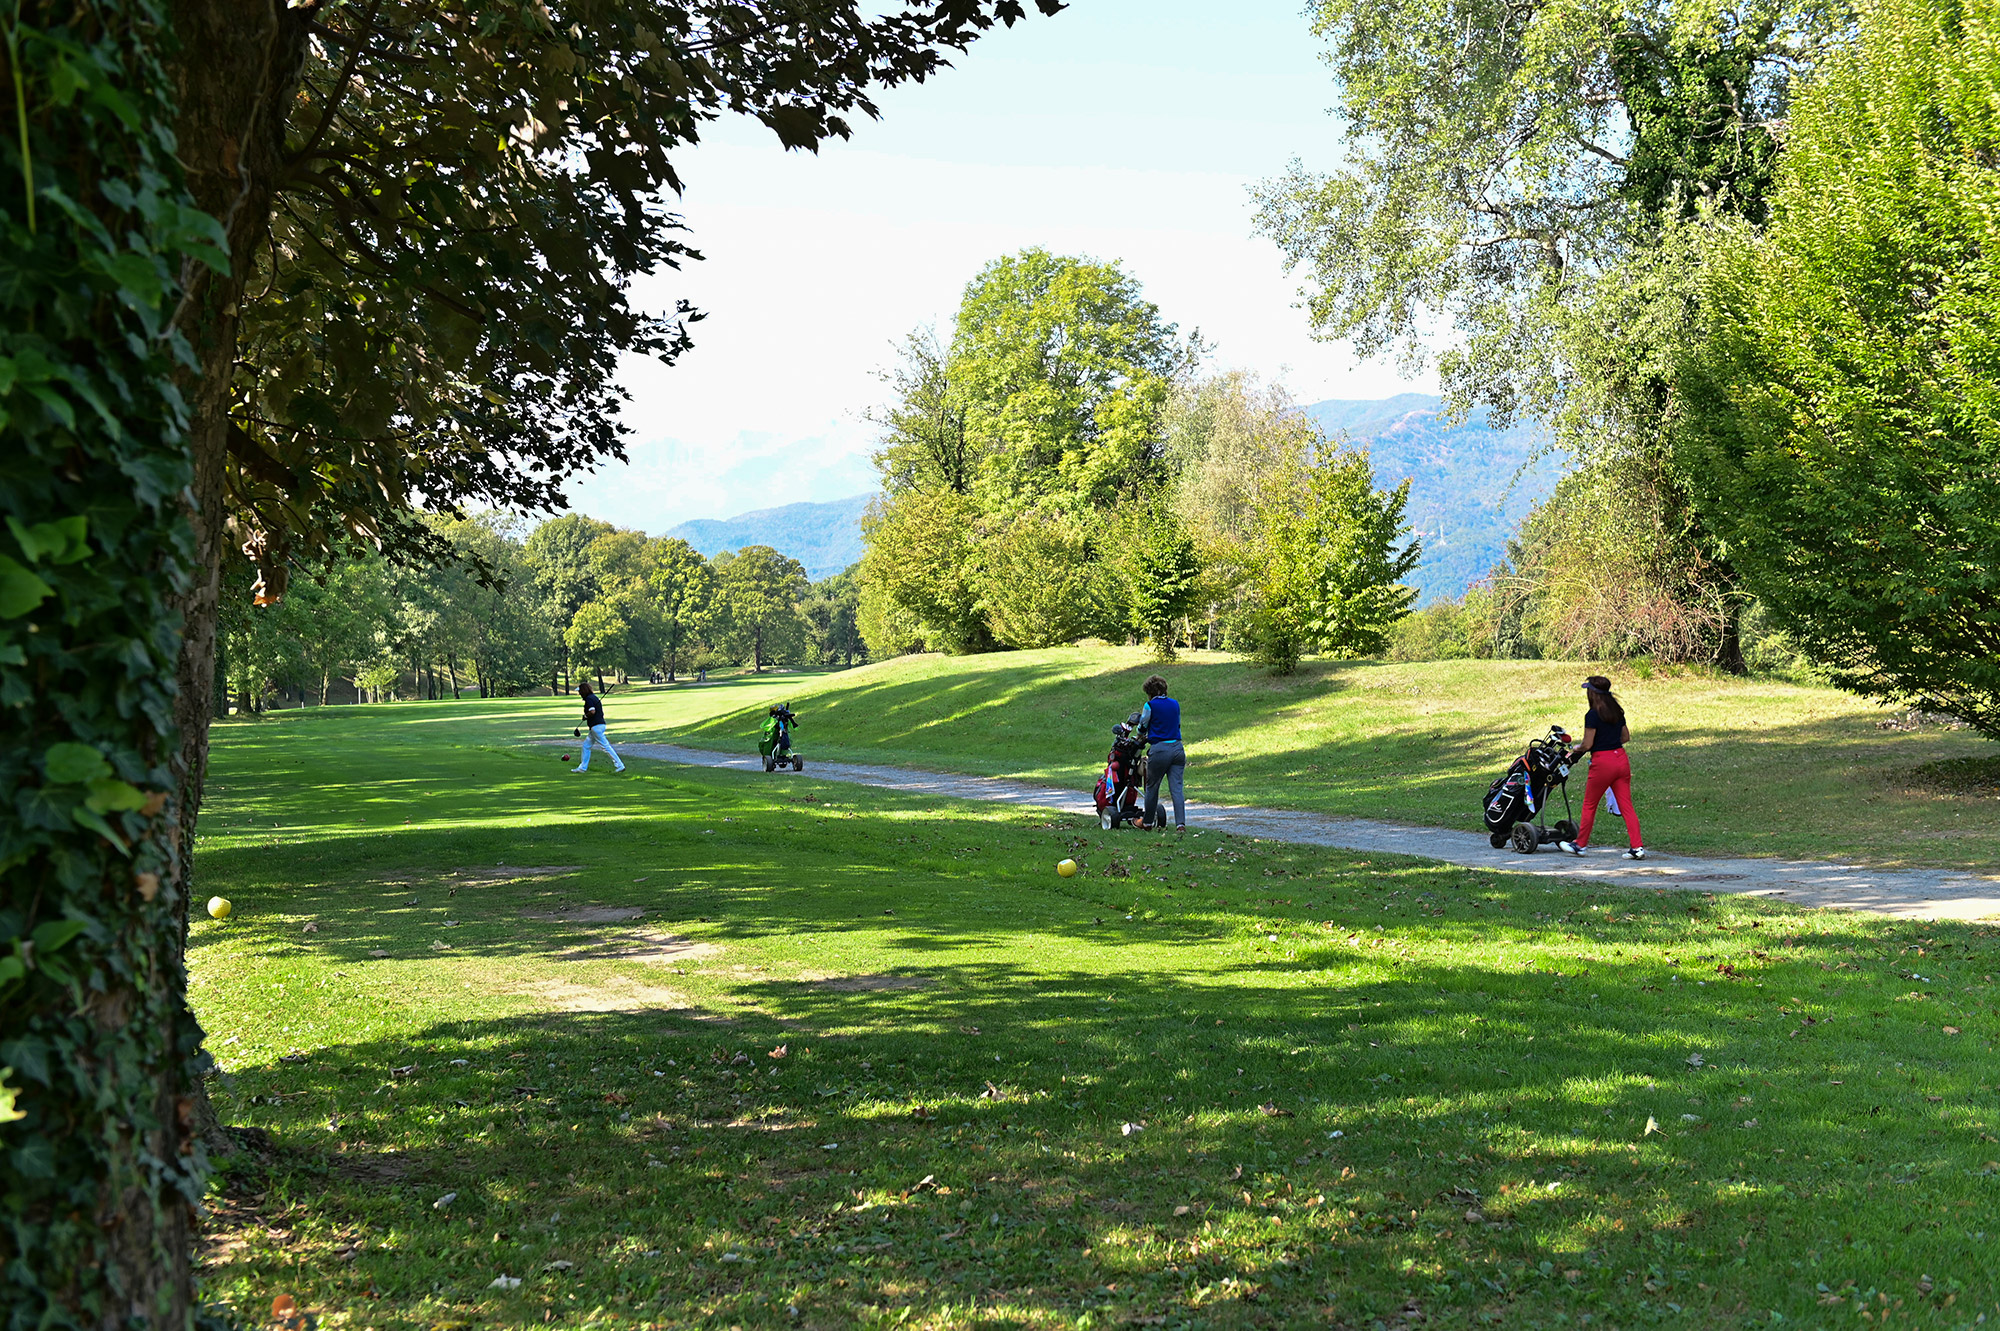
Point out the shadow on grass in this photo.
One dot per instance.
(848, 1165)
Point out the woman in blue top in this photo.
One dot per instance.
(1160, 722)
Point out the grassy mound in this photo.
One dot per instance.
(1720, 765)
(712, 1049)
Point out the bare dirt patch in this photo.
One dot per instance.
(590, 915)
(644, 945)
(614, 994)
(507, 873)
(863, 984)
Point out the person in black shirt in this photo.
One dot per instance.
(593, 729)
(1604, 737)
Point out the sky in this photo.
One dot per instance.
(1119, 129)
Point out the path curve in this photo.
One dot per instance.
(1920, 894)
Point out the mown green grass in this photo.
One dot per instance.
(965, 1035)
(1721, 765)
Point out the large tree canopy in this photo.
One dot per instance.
(1843, 408)
(1063, 368)
(1504, 156)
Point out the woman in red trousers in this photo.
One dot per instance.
(1604, 737)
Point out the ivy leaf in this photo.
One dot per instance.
(108, 793)
(70, 764)
(35, 1158)
(59, 542)
(56, 934)
(20, 590)
(31, 1055)
(90, 818)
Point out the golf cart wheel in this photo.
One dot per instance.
(1566, 830)
(1524, 838)
(1497, 840)
(770, 764)
(1106, 819)
(798, 764)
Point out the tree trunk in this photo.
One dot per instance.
(1729, 651)
(451, 663)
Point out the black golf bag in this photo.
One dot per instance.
(1517, 803)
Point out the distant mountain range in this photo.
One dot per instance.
(1470, 486)
(825, 537)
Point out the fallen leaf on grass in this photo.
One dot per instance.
(927, 1181)
(923, 1115)
(444, 1201)
(377, 952)
(440, 947)
(1271, 1110)
(780, 1051)
(617, 1098)
(1696, 1061)
(1652, 1126)
(505, 1282)
(557, 1265)
(1951, 1030)
(1182, 1210)
(403, 1071)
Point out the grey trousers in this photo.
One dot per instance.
(1166, 759)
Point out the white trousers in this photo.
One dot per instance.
(597, 733)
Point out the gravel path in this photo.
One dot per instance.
(1923, 894)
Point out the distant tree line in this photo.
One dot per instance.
(514, 609)
(1056, 469)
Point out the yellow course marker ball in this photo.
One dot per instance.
(1067, 868)
(219, 907)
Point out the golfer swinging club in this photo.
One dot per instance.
(593, 728)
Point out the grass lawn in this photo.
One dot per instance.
(1721, 766)
(865, 1059)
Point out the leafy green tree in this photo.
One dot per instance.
(681, 586)
(597, 637)
(505, 634)
(1040, 582)
(832, 610)
(925, 444)
(758, 590)
(920, 575)
(1166, 574)
(558, 555)
(1227, 436)
(1334, 555)
(1504, 160)
(1064, 369)
(1844, 406)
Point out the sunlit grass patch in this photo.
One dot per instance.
(903, 1074)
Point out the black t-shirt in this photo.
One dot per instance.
(593, 710)
(1608, 735)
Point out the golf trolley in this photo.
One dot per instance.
(776, 745)
(1517, 803)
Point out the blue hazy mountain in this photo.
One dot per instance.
(825, 537)
(1468, 487)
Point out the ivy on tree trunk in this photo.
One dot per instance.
(100, 1169)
